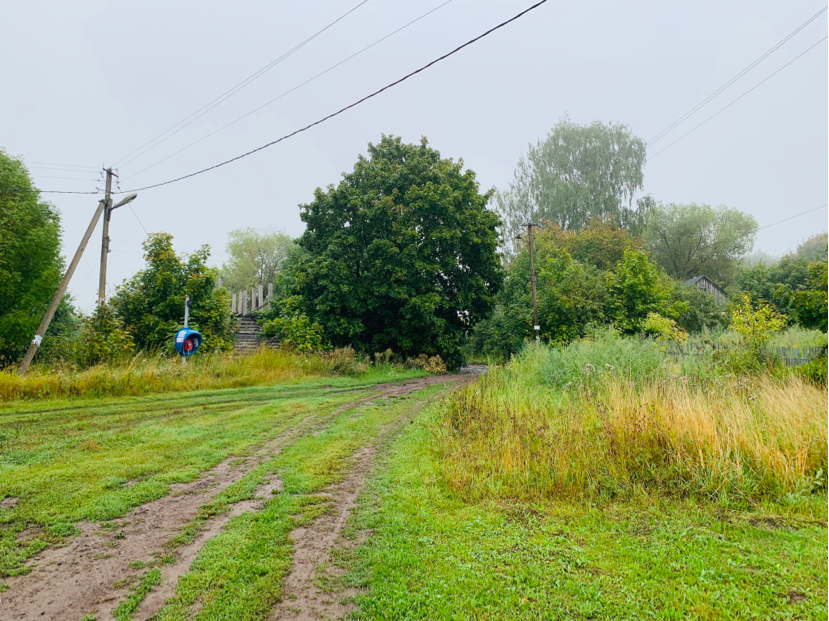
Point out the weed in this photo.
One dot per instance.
(126, 608)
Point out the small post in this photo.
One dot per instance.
(221, 282)
(270, 293)
(233, 303)
(244, 302)
(536, 327)
(259, 292)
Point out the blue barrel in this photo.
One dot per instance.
(187, 342)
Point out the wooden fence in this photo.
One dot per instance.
(247, 301)
(790, 356)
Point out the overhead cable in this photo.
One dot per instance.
(346, 108)
(768, 53)
(321, 73)
(227, 94)
(803, 213)
(738, 98)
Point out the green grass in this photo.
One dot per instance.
(239, 573)
(96, 459)
(126, 608)
(434, 555)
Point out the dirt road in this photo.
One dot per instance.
(96, 568)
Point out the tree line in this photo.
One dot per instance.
(408, 253)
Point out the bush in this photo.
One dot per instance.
(814, 371)
(296, 332)
(433, 364)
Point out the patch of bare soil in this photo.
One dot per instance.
(94, 570)
(302, 599)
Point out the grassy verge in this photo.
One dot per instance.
(239, 573)
(146, 375)
(436, 555)
(609, 420)
(61, 463)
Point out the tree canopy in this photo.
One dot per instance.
(254, 257)
(694, 240)
(31, 265)
(402, 254)
(578, 173)
(151, 303)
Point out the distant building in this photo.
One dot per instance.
(703, 283)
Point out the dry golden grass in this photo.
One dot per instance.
(505, 436)
(160, 374)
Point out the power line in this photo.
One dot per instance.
(45, 164)
(136, 217)
(346, 108)
(738, 98)
(229, 93)
(774, 48)
(30, 191)
(244, 116)
(792, 217)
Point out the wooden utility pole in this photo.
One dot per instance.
(50, 312)
(104, 205)
(533, 278)
(102, 277)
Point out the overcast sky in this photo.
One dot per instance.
(87, 82)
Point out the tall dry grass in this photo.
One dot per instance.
(508, 435)
(145, 375)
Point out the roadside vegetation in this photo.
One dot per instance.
(437, 553)
(159, 374)
(611, 417)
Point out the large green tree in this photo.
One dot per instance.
(578, 173)
(402, 254)
(30, 261)
(254, 257)
(694, 240)
(151, 303)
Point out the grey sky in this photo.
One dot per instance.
(87, 82)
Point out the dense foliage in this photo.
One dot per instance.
(578, 173)
(401, 255)
(151, 303)
(695, 240)
(31, 265)
(615, 283)
(796, 285)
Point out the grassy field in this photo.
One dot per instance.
(437, 555)
(64, 462)
(598, 481)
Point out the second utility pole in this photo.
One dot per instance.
(102, 278)
(533, 279)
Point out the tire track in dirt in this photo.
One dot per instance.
(92, 572)
(302, 599)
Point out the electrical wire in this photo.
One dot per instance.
(136, 217)
(722, 88)
(165, 135)
(46, 164)
(298, 86)
(738, 98)
(346, 108)
(793, 217)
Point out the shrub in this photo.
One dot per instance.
(295, 332)
(814, 371)
(430, 364)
